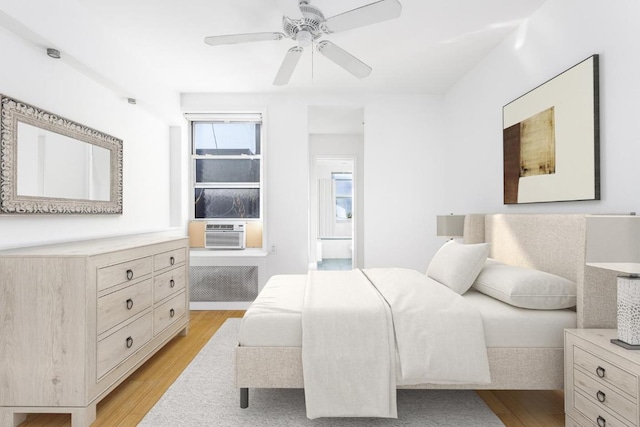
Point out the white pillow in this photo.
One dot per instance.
(525, 287)
(457, 265)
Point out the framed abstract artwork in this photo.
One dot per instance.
(551, 139)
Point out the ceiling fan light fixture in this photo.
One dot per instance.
(304, 38)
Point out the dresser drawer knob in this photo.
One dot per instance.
(172, 260)
(600, 371)
(129, 342)
(129, 304)
(129, 274)
(601, 396)
(601, 421)
(172, 283)
(172, 312)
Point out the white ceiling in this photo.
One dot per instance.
(429, 48)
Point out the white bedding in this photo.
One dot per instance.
(514, 327)
(274, 319)
(439, 336)
(347, 335)
(398, 323)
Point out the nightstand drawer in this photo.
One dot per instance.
(596, 415)
(605, 372)
(603, 396)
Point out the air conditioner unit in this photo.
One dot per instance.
(225, 235)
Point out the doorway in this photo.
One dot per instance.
(336, 153)
(335, 213)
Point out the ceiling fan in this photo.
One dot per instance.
(304, 23)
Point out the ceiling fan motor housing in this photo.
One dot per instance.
(312, 20)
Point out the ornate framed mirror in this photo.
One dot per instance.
(52, 165)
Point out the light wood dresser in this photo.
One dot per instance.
(601, 380)
(76, 319)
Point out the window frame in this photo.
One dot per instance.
(226, 117)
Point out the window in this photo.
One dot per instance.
(227, 165)
(343, 190)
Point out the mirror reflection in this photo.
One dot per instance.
(50, 164)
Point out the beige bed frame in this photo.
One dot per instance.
(549, 242)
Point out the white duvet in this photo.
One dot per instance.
(365, 332)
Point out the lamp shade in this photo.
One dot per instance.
(613, 242)
(450, 225)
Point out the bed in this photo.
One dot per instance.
(524, 347)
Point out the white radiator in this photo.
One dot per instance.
(224, 282)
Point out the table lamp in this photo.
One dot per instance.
(450, 226)
(613, 243)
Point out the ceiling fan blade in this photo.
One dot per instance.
(288, 65)
(366, 15)
(344, 59)
(242, 38)
(290, 8)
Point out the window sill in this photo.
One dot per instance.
(238, 253)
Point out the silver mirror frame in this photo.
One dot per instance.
(13, 111)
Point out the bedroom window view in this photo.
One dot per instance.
(227, 162)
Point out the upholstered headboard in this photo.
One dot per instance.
(554, 243)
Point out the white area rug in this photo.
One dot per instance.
(205, 395)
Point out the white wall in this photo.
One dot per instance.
(29, 75)
(403, 139)
(561, 34)
(404, 145)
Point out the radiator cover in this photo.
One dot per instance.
(224, 283)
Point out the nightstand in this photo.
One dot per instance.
(600, 380)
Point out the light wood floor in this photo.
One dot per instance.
(128, 404)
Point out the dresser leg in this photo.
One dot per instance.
(184, 332)
(83, 417)
(8, 418)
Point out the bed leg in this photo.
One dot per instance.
(244, 398)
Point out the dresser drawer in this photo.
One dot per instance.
(169, 283)
(118, 346)
(605, 372)
(596, 415)
(168, 312)
(169, 259)
(116, 307)
(603, 396)
(123, 272)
